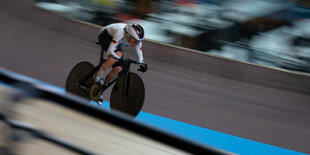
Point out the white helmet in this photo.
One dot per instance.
(136, 31)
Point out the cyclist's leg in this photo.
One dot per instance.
(104, 41)
(108, 63)
(114, 71)
(116, 68)
(95, 90)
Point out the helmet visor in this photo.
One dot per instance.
(135, 41)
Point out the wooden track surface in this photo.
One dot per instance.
(79, 129)
(252, 102)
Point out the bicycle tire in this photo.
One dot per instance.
(131, 105)
(78, 72)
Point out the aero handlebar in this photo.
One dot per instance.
(132, 61)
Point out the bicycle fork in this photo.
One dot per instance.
(126, 85)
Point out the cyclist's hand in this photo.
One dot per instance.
(143, 68)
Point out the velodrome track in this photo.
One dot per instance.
(190, 87)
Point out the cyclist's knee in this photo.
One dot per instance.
(119, 53)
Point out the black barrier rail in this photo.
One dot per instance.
(119, 119)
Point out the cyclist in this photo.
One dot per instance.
(111, 39)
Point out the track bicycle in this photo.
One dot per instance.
(127, 94)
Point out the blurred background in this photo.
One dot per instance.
(270, 107)
(267, 32)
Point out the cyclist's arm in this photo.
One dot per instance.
(113, 45)
(139, 53)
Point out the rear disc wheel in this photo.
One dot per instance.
(78, 72)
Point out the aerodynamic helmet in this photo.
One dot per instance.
(136, 31)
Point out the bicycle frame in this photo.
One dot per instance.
(125, 71)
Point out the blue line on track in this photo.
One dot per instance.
(202, 135)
